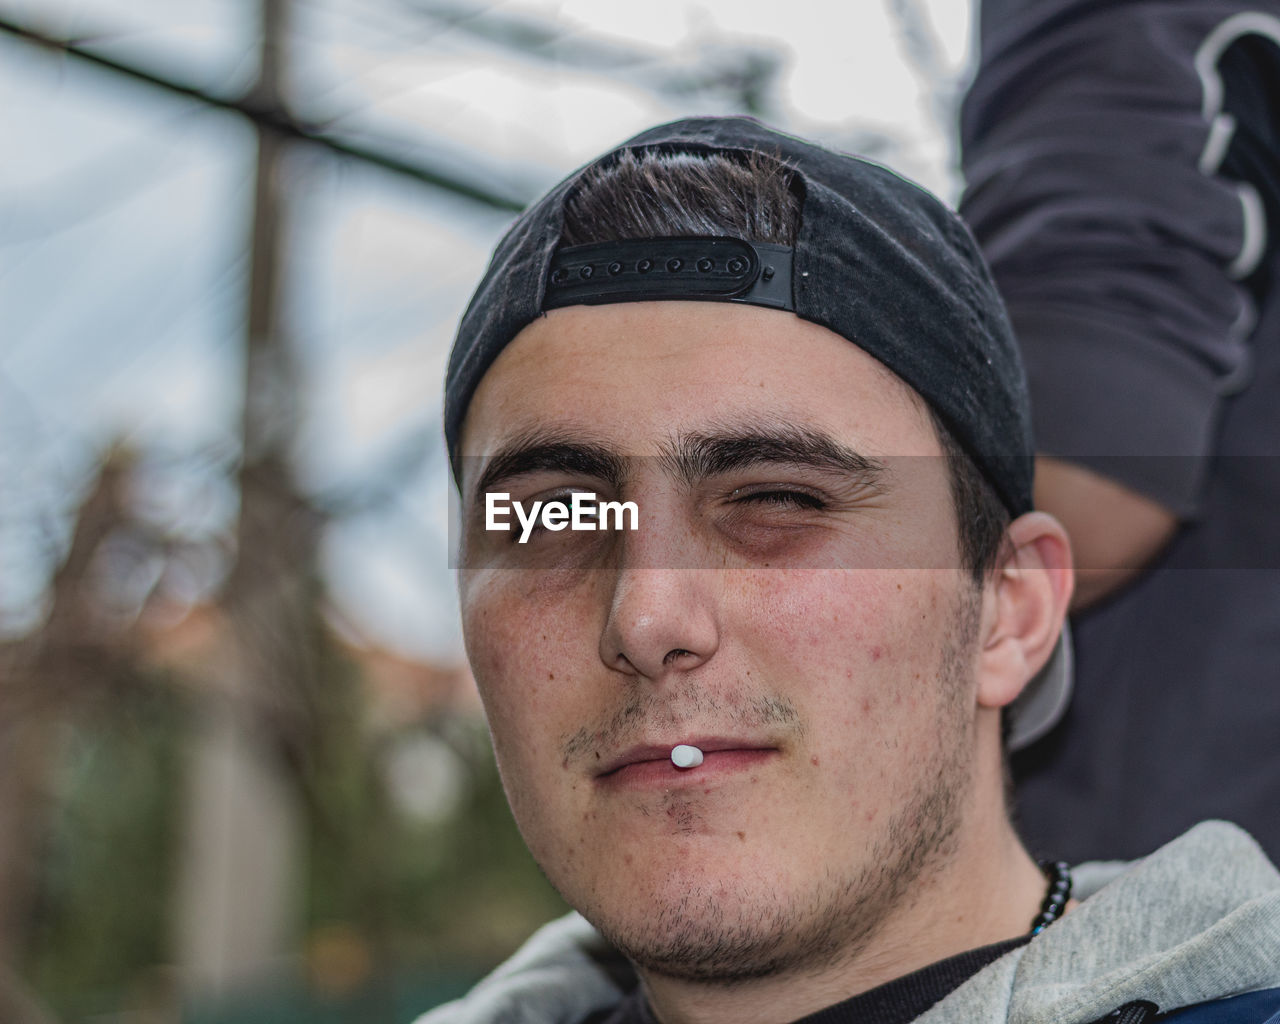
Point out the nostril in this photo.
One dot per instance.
(661, 621)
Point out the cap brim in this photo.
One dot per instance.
(1044, 700)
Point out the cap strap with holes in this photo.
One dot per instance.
(697, 268)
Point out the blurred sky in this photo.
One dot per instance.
(124, 216)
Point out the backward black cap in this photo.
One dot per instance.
(878, 260)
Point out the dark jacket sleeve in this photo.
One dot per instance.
(1120, 161)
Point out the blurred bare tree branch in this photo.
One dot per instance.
(927, 60)
(744, 76)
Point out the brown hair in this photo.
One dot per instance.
(656, 194)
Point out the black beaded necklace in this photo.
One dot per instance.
(1055, 900)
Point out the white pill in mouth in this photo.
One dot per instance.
(685, 756)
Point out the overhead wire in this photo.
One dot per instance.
(274, 118)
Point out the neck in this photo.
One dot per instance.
(988, 890)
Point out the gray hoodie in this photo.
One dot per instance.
(1197, 920)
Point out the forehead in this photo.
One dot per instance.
(636, 374)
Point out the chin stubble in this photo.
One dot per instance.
(695, 939)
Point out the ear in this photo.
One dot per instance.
(1024, 602)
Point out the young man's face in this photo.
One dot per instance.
(792, 604)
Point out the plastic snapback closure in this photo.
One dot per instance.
(649, 269)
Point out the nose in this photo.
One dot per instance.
(661, 621)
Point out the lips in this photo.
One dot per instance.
(652, 762)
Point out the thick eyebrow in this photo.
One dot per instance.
(693, 457)
(539, 452)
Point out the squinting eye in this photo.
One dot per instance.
(792, 499)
